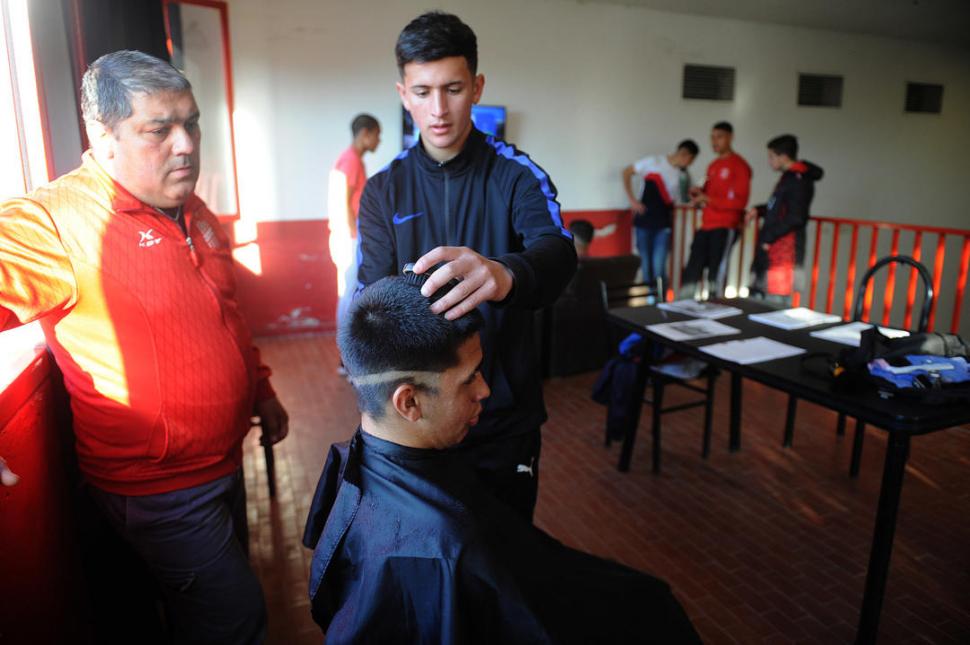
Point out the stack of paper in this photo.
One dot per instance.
(797, 318)
(699, 309)
(752, 350)
(851, 334)
(692, 329)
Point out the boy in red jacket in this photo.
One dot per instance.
(723, 197)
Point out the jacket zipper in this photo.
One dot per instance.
(214, 294)
(449, 226)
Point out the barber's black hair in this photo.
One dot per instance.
(723, 125)
(690, 146)
(435, 35)
(364, 121)
(785, 144)
(390, 326)
(582, 230)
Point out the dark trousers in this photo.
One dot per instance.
(709, 250)
(509, 469)
(195, 542)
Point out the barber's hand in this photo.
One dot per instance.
(638, 208)
(765, 247)
(481, 279)
(7, 476)
(274, 421)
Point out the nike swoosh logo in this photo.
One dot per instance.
(399, 219)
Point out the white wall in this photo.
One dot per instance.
(51, 49)
(590, 88)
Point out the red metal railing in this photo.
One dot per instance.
(837, 266)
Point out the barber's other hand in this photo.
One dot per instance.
(638, 208)
(274, 421)
(7, 476)
(481, 279)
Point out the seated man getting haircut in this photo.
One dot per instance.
(409, 546)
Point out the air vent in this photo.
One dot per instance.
(924, 97)
(819, 91)
(707, 82)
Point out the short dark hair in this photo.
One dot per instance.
(723, 125)
(582, 230)
(110, 82)
(690, 146)
(390, 327)
(786, 144)
(435, 35)
(364, 121)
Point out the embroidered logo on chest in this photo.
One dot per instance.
(725, 173)
(148, 239)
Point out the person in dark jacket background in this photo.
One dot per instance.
(776, 271)
(485, 214)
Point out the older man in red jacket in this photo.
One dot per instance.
(131, 278)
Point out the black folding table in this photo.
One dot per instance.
(901, 419)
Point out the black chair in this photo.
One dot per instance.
(922, 324)
(924, 319)
(635, 295)
(576, 317)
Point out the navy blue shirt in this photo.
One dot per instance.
(495, 200)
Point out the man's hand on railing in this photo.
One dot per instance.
(7, 476)
(697, 197)
(750, 214)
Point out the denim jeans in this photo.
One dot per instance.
(653, 245)
(195, 543)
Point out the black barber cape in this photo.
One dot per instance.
(408, 548)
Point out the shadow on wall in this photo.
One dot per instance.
(287, 283)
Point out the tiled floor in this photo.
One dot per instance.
(768, 545)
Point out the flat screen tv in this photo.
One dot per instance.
(490, 119)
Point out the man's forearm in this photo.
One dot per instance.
(540, 272)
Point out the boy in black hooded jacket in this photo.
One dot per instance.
(776, 271)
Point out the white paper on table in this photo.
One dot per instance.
(752, 350)
(700, 309)
(796, 318)
(851, 333)
(693, 329)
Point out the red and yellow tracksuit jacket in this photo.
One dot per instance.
(143, 323)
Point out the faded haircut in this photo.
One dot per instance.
(435, 35)
(110, 82)
(390, 329)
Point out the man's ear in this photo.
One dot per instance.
(101, 139)
(405, 402)
(479, 88)
(403, 93)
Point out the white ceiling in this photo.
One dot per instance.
(943, 21)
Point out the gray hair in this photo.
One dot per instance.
(110, 81)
